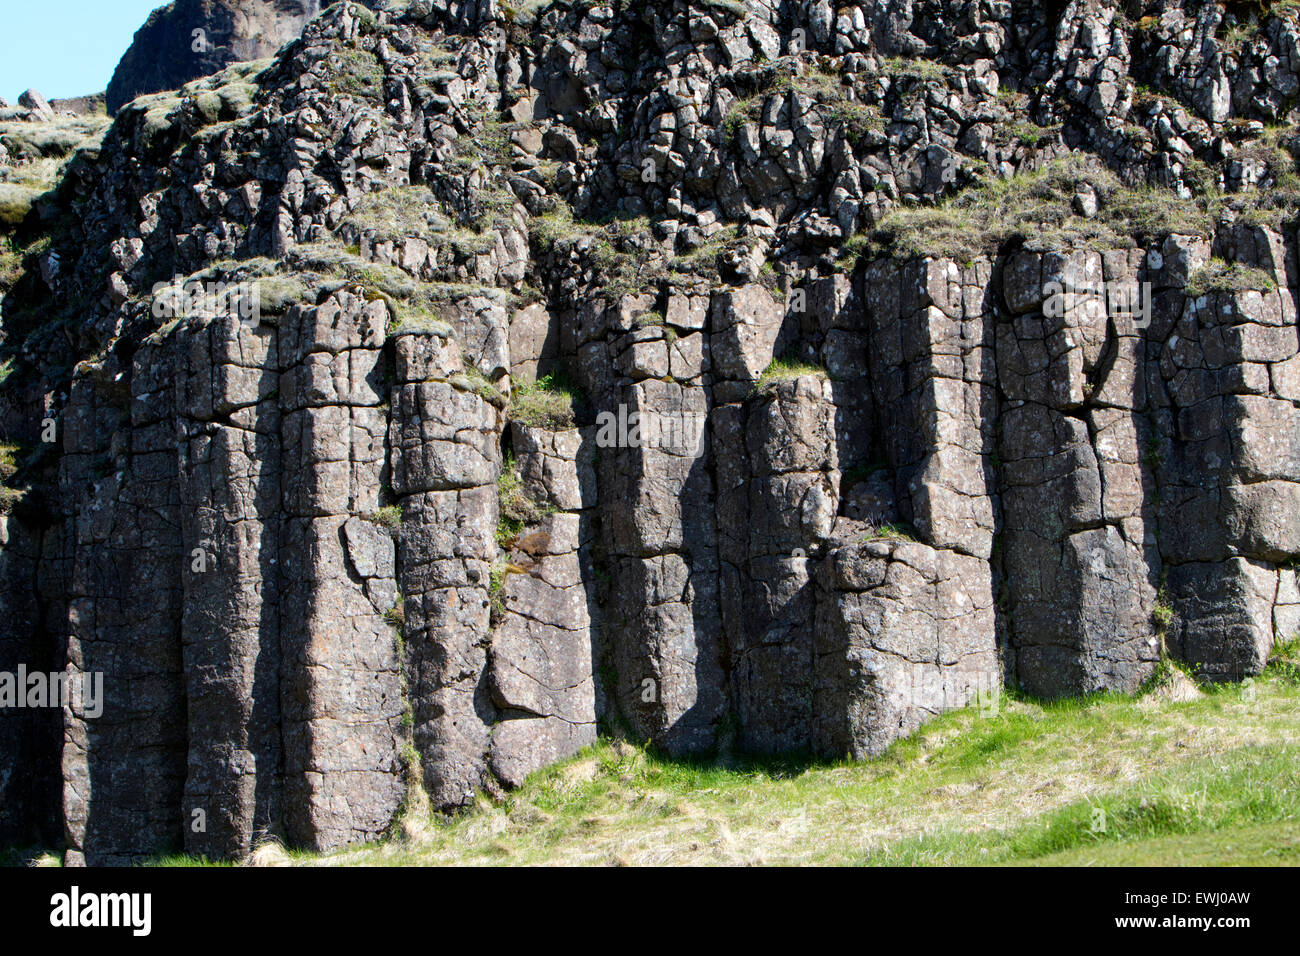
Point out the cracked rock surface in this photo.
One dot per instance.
(462, 381)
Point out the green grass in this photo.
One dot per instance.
(1215, 780)
(785, 369)
(473, 380)
(9, 455)
(790, 74)
(1220, 276)
(525, 14)
(916, 68)
(489, 143)
(1206, 799)
(57, 139)
(400, 212)
(1034, 207)
(744, 110)
(28, 856)
(359, 73)
(11, 262)
(550, 227)
(1162, 613)
(277, 294)
(1284, 662)
(389, 516)
(333, 260)
(622, 251)
(188, 862)
(15, 203)
(1030, 134)
(414, 211)
(891, 532)
(396, 616)
(510, 496)
(550, 402)
(857, 119)
(518, 510)
(1276, 844)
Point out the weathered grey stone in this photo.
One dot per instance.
(167, 53)
(904, 632)
(978, 467)
(37, 105)
(1224, 623)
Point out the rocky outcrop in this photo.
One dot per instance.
(468, 380)
(187, 39)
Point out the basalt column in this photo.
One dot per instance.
(906, 629)
(778, 514)
(543, 678)
(1224, 367)
(446, 459)
(230, 471)
(341, 690)
(124, 768)
(1080, 566)
(657, 520)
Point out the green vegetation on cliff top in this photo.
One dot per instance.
(1035, 207)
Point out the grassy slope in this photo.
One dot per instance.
(1214, 780)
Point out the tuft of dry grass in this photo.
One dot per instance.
(1173, 685)
(269, 853)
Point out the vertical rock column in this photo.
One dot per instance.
(933, 381)
(341, 688)
(446, 459)
(658, 520)
(123, 768)
(230, 467)
(780, 514)
(904, 632)
(1225, 374)
(24, 734)
(1077, 558)
(906, 629)
(543, 680)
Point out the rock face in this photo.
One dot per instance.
(188, 39)
(395, 416)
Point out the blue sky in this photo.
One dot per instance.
(65, 47)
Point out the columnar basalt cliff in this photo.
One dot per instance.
(389, 417)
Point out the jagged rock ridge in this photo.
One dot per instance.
(187, 39)
(792, 454)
